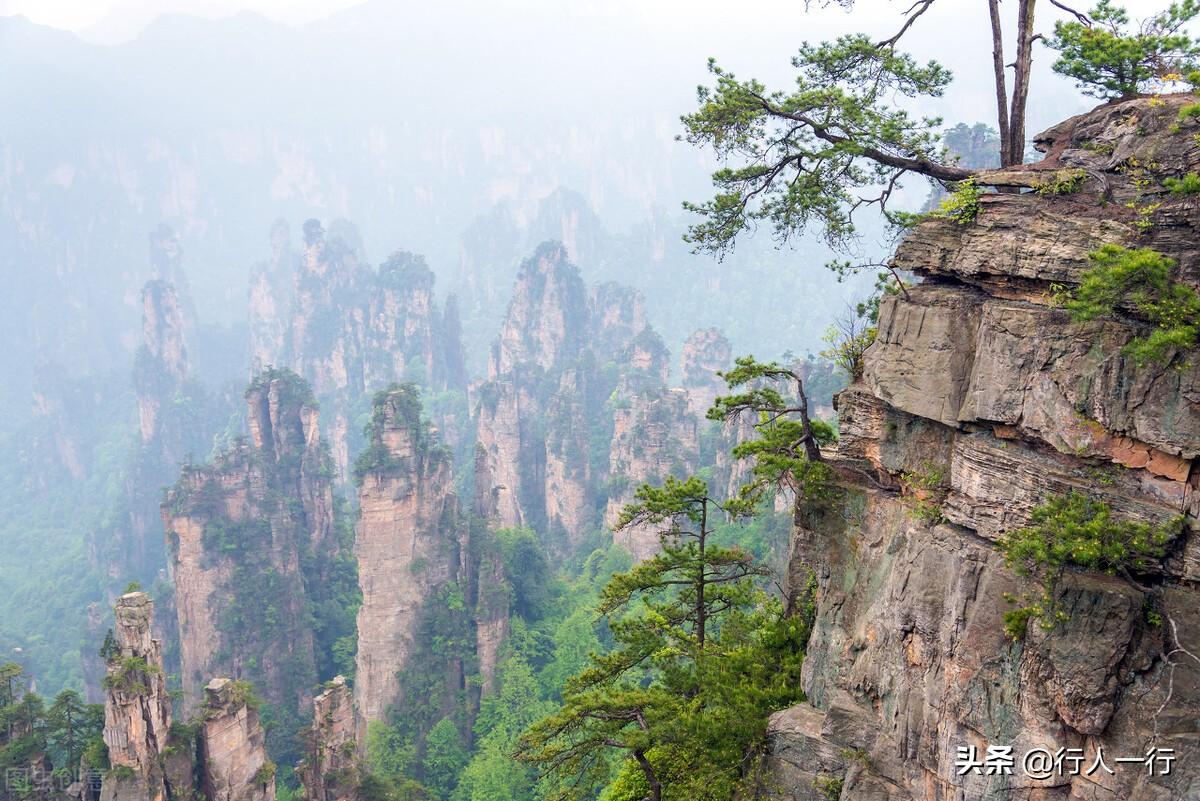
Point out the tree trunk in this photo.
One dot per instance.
(1001, 82)
(811, 447)
(651, 778)
(1024, 62)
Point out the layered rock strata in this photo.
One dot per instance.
(980, 401)
(137, 708)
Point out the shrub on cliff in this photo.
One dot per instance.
(1075, 530)
(1141, 279)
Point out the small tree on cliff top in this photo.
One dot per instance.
(1110, 57)
(840, 140)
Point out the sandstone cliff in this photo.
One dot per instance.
(232, 746)
(330, 768)
(137, 709)
(705, 352)
(251, 540)
(221, 757)
(410, 543)
(542, 426)
(351, 330)
(981, 399)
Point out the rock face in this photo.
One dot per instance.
(542, 425)
(410, 543)
(232, 746)
(705, 352)
(137, 708)
(330, 770)
(986, 395)
(224, 758)
(348, 329)
(654, 437)
(238, 532)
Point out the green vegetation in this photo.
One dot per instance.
(807, 152)
(1189, 184)
(130, 675)
(1074, 530)
(787, 450)
(848, 339)
(961, 205)
(1062, 182)
(32, 735)
(1140, 279)
(924, 492)
(677, 708)
(1109, 57)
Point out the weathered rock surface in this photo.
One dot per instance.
(350, 330)
(137, 708)
(542, 428)
(653, 437)
(705, 352)
(330, 768)
(232, 746)
(980, 401)
(411, 542)
(237, 531)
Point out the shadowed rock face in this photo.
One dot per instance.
(237, 531)
(978, 383)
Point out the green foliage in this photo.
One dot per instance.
(445, 756)
(265, 773)
(924, 491)
(1189, 184)
(130, 674)
(848, 341)
(830, 787)
(1140, 278)
(961, 205)
(1110, 58)
(399, 404)
(700, 658)
(786, 451)
(34, 736)
(239, 692)
(1062, 182)
(1075, 530)
(807, 153)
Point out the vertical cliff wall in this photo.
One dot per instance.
(351, 330)
(982, 400)
(251, 540)
(330, 768)
(544, 419)
(137, 709)
(410, 543)
(222, 756)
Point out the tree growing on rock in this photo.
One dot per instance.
(1109, 56)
